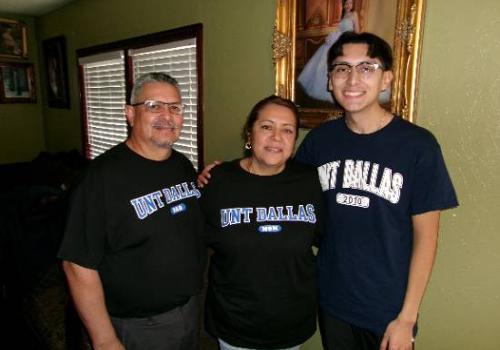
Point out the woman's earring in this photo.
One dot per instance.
(248, 145)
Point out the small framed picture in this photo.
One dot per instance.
(13, 41)
(17, 84)
(56, 72)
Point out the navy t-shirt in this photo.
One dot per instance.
(373, 184)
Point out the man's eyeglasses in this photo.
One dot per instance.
(153, 106)
(364, 69)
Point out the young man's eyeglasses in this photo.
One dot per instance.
(364, 69)
(153, 106)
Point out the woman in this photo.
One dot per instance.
(314, 75)
(262, 214)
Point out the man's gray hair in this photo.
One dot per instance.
(155, 77)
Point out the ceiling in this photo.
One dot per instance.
(31, 7)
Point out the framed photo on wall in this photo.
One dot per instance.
(13, 39)
(56, 72)
(319, 23)
(17, 84)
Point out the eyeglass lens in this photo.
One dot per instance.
(158, 106)
(365, 69)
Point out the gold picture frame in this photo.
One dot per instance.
(407, 46)
(13, 39)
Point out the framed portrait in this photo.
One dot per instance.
(306, 29)
(56, 72)
(13, 40)
(17, 83)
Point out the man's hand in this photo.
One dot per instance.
(112, 344)
(398, 335)
(204, 176)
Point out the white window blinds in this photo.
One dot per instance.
(104, 84)
(178, 59)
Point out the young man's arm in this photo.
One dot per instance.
(88, 295)
(399, 333)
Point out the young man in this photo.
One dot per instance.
(132, 248)
(384, 182)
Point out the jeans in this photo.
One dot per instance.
(176, 329)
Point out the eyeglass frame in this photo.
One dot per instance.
(168, 104)
(355, 66)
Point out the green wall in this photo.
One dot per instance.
(458, 102)
(21, 124)
(238, 67)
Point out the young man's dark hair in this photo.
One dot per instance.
(377, 47)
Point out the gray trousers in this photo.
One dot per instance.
(176, 329)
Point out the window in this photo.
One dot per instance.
(107, 74)
(104, 91)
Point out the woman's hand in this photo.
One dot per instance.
(204, 176)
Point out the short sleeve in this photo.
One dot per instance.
(433, 189)
(84, 238)
(305, 152)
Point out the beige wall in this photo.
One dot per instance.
(21, 124)
(458, 101)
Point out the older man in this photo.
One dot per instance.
(132, 249)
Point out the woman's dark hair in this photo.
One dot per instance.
(377, 47)
(274, 100)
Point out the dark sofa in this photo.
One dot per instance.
(33, 202)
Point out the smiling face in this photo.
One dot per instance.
(272, 138)
(359, 94)
(153, 133)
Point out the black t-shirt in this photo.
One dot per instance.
(138, 223)
(262, 286)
